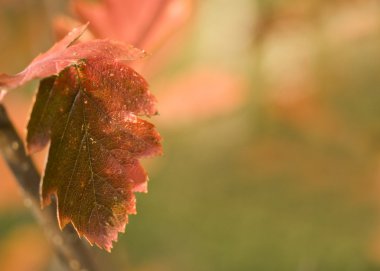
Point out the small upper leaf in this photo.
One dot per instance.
(89, 113)
(65, 53)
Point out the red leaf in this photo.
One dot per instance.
(143, 23)
(88, 105)
(45, 64)
(65, 53)
(89, 112)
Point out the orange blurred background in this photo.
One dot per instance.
(268, 110)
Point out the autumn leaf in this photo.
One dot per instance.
(66, 52)
(143, 23)
(90, 113)
(89, 107)
(45, 64)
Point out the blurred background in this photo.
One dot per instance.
(269, 113)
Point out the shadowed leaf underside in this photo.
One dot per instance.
(90, 114)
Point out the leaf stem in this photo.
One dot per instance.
(72, 252)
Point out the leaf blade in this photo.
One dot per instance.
(96, 141)
(65, 53)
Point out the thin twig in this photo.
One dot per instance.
(71, 251)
